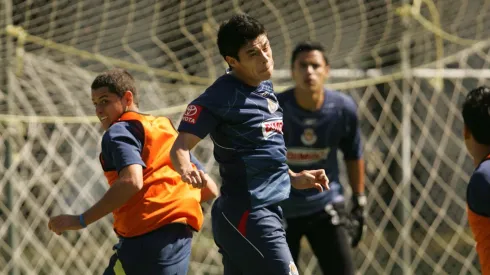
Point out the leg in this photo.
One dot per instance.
(294, 232)
(229, 267)
(328, 239)
(115, 266)
(253, 241)
(165, 251)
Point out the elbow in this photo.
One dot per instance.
(133, 184)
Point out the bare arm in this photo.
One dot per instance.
(181, 160)
(180, 152)
(211, 190)
(309, 179)
(355, 171)
(129, 182)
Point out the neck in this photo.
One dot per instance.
(309, 100)
(480, 152)
(132, 109)
(246, 80)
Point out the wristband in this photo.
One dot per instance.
(82, 221)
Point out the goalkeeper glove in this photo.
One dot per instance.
(357, 218)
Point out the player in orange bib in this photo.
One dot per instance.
(154, 212)
(476, 116)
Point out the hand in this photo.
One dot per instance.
(310, 179)
(62, 223)
(357, 219)
(196, 178)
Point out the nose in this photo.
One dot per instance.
(265, 57)
(309, 69)
(98, 110)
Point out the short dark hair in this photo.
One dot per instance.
(476, 114)
(308, 46)
(117, 81)
(236, 33)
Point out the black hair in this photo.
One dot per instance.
(236, 33)
(308, 46)
(117, 81)
(476, 114)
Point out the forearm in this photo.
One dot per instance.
(355, 172)
(115, 197)
(180, 157)
(209, 192)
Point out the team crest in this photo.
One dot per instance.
(308, 137)
(292, 269)
(273, 106)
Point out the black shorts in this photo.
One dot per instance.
(326, 233)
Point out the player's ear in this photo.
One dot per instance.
(128, 97)
(231, 61)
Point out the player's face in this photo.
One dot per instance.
(255, 60)
(310, 71)
(108, 106)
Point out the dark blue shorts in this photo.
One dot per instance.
(165, 251)
(251, 241)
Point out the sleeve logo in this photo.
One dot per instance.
(192, 113)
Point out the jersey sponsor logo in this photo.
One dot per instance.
(306, 156)
(308, 137)
(192, 113)
(271, 127)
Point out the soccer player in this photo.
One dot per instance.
(317, 123)
(155, 212)
(241, 114)
(476, 117)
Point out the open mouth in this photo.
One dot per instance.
(102, 118)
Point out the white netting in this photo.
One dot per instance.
(51, 50)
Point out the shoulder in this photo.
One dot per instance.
(343, 101)
(219, 90)
(481, 176)
(122, 129)
(478, 193)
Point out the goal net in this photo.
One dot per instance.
(408, 65)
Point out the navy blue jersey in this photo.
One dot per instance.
(245, 124)
(478, 191)
(122, 144)
(312, 140)
(478, 199)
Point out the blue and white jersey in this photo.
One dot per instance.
(245, 124)
(313, 140)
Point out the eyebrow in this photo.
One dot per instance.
(101, 97)
(253, 49)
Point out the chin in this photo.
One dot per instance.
(266, 75)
